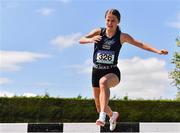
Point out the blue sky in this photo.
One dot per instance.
(39, 49)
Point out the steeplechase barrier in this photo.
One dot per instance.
(131, 127)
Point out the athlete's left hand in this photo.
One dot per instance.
(163, 51)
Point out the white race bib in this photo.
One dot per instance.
(105, 57)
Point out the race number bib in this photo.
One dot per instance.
(105, 57)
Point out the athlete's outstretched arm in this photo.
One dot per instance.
(92, 37)
(127, 38)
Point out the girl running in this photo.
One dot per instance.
(105, 73)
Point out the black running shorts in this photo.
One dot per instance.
(97, 74)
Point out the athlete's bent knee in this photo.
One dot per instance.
(103, 82)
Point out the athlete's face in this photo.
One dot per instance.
(111, 21)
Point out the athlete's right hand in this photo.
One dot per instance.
(96, 39)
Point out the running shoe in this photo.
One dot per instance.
(113, 120)
(101, 120)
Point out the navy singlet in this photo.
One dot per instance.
(106, 51)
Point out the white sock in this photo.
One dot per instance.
(102, 116)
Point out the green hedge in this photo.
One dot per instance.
(37, 109)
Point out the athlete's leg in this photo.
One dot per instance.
(108, 110)
(96, 91)
(106, 82)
